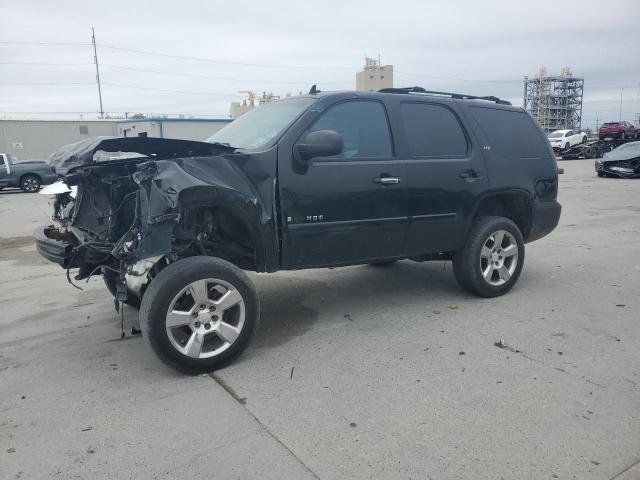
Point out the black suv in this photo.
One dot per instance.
(319, 180)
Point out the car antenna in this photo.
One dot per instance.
(313, 90)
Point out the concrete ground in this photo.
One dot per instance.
(358, 372)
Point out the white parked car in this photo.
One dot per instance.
(566, 138)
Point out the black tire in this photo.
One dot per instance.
(168, 284)
(601, 174)
(30, 184)
(109, 277)
(467, 262)
(382, 263)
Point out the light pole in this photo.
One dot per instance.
(621, 90)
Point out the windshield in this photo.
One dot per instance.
(611, 124)
(261, 125)
(556, 134)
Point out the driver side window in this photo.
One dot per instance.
(364, 129)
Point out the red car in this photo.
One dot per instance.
(616, 130)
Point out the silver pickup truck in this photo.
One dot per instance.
(28, 175)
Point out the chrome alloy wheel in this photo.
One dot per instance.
(30, 184)
(205, 318)
(499, 258)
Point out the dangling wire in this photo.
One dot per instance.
(121, 319)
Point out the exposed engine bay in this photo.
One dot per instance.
(133, 214)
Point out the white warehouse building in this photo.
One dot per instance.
(38, 139)
(179, 128)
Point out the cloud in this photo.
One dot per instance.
(475, 41)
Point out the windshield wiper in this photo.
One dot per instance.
(224, 145)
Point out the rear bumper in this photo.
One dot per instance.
(545, 218)
(604, 135)
(54, 250)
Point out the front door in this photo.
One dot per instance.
(445, 176)
(351, 207)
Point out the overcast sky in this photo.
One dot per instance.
(470, 46)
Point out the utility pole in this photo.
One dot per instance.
(621, 90)
(95, 60)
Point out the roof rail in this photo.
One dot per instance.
(459, 96)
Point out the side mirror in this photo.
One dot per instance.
(322, 143)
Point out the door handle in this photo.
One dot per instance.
(470, 175)
(387, 180)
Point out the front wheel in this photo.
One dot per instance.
(30, 183)
(491, 260)
(199, 313)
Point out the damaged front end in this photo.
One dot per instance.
(623, 161)
(130, 206)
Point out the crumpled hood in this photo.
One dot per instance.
(82, 153)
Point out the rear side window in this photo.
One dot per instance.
(511, 134)
(433, 131)
(363, 126)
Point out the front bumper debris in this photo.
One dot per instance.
(54, 246)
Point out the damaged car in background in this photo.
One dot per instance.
(623, 161)
(318, 180)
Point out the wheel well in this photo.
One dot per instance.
(24, 175)
(514, 206)
(219, 232)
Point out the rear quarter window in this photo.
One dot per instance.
(511, 134)
(433, 131)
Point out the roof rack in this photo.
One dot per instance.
(459, 96)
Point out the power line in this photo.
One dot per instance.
(121, 85)
(225, 62)
(188, 92)
(47, 63)
(123, 112)
(208, 77)
(456, 79)
(46, 43)
(47, 84)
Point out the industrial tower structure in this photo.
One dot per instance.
(374, 76)
(555, 101)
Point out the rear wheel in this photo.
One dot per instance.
(30, 183)
(491, 261)
(199, 313)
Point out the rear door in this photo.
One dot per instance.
(445, 175)
(351, 207)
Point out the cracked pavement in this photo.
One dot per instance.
(357, 372)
